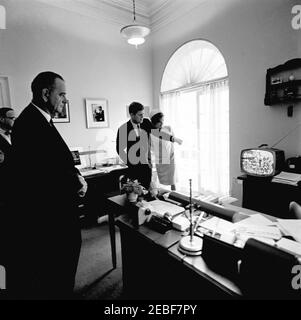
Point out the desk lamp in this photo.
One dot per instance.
(191, 245)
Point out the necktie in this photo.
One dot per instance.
(51, 123)
(138, 127)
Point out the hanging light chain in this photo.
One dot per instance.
(134, 10)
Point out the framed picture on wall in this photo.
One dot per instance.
(97, 113)
(62, 115)
(5, 100)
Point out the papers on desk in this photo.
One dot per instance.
(256, 231)
(287, 178)
(291, 227)
(258, 227)
(217, 225)
(256, 219)
(90, 172)
(86, 173)
(161, 207)
(289, 246)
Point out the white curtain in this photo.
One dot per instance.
(200, 117)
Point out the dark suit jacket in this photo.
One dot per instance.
(5, 147)
(133, 150)
(136, 151)
(43, 189)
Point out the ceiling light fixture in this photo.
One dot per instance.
(135, 33)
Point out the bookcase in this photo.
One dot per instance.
(283, 85)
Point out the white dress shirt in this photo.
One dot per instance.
(5, 136)
(44, 113)
(136, 128)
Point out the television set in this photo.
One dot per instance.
(262, 162)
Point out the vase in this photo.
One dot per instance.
(132, 196)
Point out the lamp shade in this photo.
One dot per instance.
(135, 33)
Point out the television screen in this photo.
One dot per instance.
(262, 162)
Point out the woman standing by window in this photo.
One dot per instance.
(163, 153)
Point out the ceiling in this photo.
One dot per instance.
(154, 13)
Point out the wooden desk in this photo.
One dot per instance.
(263, 195)
(100, 185)
(153, 268)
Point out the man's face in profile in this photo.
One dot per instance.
(138, 117)
(57, 97)
(7, 122)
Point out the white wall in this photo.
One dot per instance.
(91, 55)
(96, 62)
(253, 35)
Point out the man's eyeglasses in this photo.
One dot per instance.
(11, 118)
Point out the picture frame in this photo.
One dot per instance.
(97, 113)
(63, 116)
(5, 98)
(79, 159)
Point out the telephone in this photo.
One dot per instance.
(160, 224)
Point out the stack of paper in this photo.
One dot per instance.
(217, 225)
(256, 219)
(161, 207)
(254, 231)
(287, 178)
(257, 226)
(289, 246)
(291, 227)
(207, 197)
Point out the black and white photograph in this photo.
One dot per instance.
(97, 113)
(150, 150)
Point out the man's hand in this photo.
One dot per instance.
(1, 156)
(178, 141)
(82, 191)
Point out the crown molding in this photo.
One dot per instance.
(111, 11)
(155, 14)
(171, 10)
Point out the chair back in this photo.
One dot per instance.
(266, 272)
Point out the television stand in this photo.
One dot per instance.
(264, 195)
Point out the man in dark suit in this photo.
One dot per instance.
(43, 235)
(133, 144)
(7, 118)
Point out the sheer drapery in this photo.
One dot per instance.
(195, 62)
(200, 117)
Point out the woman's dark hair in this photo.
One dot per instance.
(156, 118)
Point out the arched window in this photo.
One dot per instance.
(195, 101)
